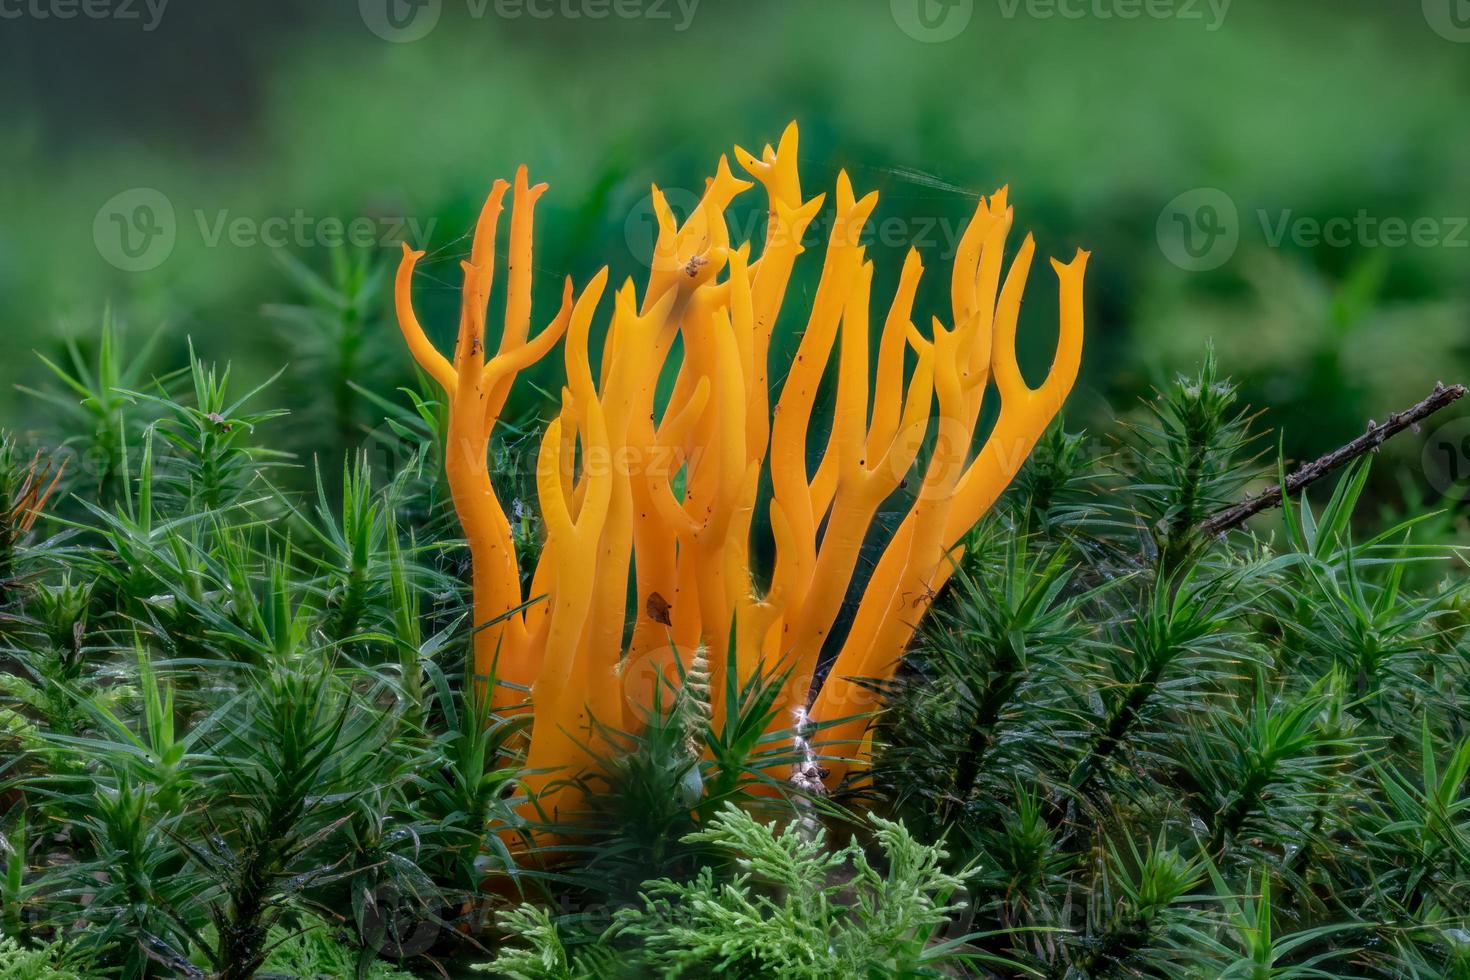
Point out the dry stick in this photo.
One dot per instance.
(1237, 514)
(1369, 441)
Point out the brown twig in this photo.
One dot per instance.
(1236, 515)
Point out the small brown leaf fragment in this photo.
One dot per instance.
(658, 609)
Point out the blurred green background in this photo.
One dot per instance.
(172, 165)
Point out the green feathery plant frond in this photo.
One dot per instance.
(792, 907)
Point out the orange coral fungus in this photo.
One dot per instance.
(669, 492)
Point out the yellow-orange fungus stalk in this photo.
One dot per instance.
(650, 498)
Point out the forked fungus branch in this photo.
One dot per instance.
(610, 463)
